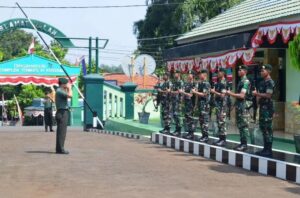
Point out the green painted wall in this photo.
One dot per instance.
(292, 81)
(93, 92)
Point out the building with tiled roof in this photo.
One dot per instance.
(121, 78)
(253, 33)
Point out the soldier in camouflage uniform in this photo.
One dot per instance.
(176, 102)
(157, 94)
(221, 106)
(165, 104)
(242, 114)
(266, 109)
(188, 106)
(202, 89)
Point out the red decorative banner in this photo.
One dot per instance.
(212, 63)
(271, 31)
(36, 80)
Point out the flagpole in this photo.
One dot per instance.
(60, 64)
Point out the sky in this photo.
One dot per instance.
(115, 24)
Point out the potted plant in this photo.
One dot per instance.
(144, 99)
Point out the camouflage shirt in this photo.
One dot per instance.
(187, 88)
(164, 86)
(243, 86)
(221, 87)
(266, 86)
(204, 87)
(176, 85)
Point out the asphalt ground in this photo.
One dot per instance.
(102, 165)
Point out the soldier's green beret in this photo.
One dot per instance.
(267, 67)
(244, 67)
(222, 70)
(62, 81)
(203, 71)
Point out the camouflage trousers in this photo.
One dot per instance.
(221, 119)
(265, 123)
(188, 115)
(176, 112)
(242, 120)
(204, 118)
(166, 113)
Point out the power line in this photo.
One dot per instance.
(93, 6)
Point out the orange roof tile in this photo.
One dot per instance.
(150, 81)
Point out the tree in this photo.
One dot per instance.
(159, 21)
(195, 12)
(173, 18)
(28, 93)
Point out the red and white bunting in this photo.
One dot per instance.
(285, 29)
(225, 60)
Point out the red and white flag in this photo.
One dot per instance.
(31, 47)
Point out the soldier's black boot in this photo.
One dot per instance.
(221, 142)
(163, 130)
(242, 147)
(167, 130)
(177, 131)
(204, 138)
(190, 136)
(263, 150)
(268, 151)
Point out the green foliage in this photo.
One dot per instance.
(14, 44)
(174, 19)
(28, 93)
(294, 52)
(195, 12)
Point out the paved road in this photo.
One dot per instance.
(109, 166)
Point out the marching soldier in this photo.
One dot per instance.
(266, 109)
(188, 106)
(241, 113)
(221, 106)
(176, 102)
(165, 104)
(203, 92)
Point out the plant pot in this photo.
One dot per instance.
(144, 117)
(297, 143)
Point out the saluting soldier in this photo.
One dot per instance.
(220, 99)
(164, 90)
(203, 91)
(266, 109)
(177, 85)
(63, 92)
(187, 92)
(242, 114)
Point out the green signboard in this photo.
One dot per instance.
(35, 65)
(18, 23)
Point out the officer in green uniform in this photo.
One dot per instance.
(188, 106)
(266, 109)
(203, 91)
(63, 92)
(220, 101)
(242, 115)
(165, 104)
(48, 112)
(176, 102)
